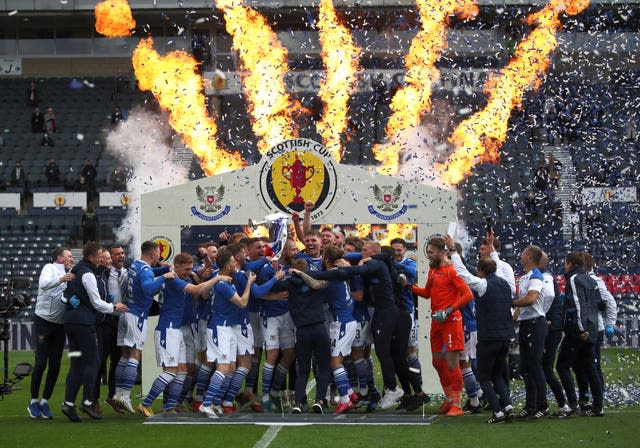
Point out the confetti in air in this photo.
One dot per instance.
(478, 138)
(264, 64)
(340, 56)
(114, 18)
(414, 99)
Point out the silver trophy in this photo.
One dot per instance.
(268, 221)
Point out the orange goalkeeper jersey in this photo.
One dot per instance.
(445, 288)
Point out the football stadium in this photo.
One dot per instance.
(166, 165)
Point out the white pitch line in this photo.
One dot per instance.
(272, 432)
(310, 385)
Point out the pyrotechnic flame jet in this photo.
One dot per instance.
(478, 138)
(410, 102)
(340, 56)
(174, 81)
(264, 64)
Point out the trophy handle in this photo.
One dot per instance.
(312, 169)
(253, 224)
(286, 171)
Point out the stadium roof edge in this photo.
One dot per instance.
(88, 5)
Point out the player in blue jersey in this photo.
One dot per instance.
(144, 282)
(202, 309)
(313, 250)
(342, 328)
(188, 327)
(246, 342)
(224, 332)
(169, 338)
(255, 249)
(278, 332)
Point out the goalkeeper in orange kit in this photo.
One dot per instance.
(448, 294)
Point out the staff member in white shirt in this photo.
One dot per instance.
(532, 334)
(48, 329)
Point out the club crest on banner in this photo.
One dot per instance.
(210, 198)
(388, 202)
(295, 171)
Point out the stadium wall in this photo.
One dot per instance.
(76, 66)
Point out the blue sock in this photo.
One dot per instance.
(234, 386)
(173, 391)
(415, 372)
(252, 376)
(202, 381)
(217, 399)
(120, 372)
(342, 381)
(214, 388)
(130, 374)
(470, 384)
(160, 383)
(267, 378)
(279, 377)
(362, 371)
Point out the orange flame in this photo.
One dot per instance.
(262, 231)
(362, 230)
(174, 81)
(403, 231)
(478, 138)
(114, 18)
(414, 99)
(264, 62)
(340, 56)
(257, 232)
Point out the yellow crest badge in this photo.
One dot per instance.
(59, 200)
(295, 171)
(166, 247)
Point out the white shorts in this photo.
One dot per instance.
(279, 332)
(341, 336)
(244, 336)
(470, 342)
(222, 345)
(413, 335)
(132, 331)
(201, 335)
(363, 334)
(256, 323)
(189, 336)
(170, 348)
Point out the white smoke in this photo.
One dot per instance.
(143, 143)
(466, 241)
(423, 150)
